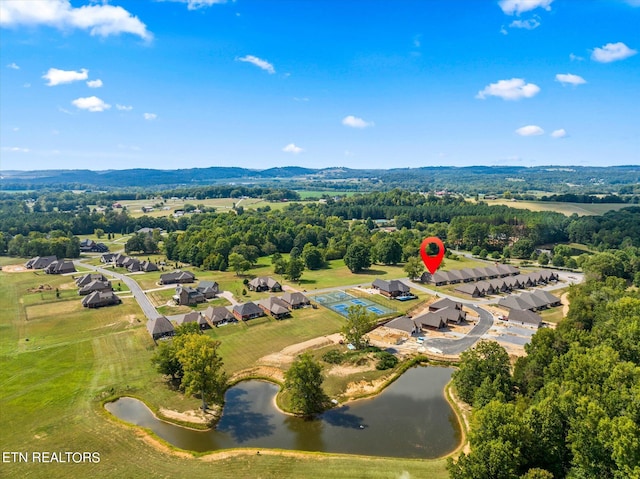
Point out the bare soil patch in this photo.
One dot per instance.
(288, 354)
(195, 416)
(14, 268)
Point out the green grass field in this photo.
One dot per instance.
(581, 209)
(53, 385)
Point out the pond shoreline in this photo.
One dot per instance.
(152, 438)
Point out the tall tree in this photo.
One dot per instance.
(359, 322)
(413, 268)
(388, 251)
(303, 381)
(358, 257)
(238, 263)
(293, 269)
(202, 368)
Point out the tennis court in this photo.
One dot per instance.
(340, 302)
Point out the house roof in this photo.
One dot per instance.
(403, 323)
(99, 297)
(247, 309)
(95, 285)
(468, 288)
(430, 319)
(295, 298)
(87, 278)
(177, 276)
(191, 317)
(217, 313)
(524, 316)
(160, 325)
(546, 295)
(274, 305)
(40, 262)
(450, 314)
(267, 281)
(445, 303)
(514, 302)
(391, 286)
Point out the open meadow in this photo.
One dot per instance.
(581, 209)
(54, 384)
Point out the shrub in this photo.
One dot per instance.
(386, 360)
(333, 356)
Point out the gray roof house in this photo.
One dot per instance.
(188, 296)
(40, 262)
(295, 300)
(548, 297)
(160, 327)
(177, 277)
(246, 311)
(217, 315)
(450, 315)
(471, 289)
(392, 289)
(193, 317)
(445, 303)
(107, 257)
(209, 289)
(60, 267)
(429, 321)
(275, 307)
(403, 323)
(98, 299)
(264, 283)
(87, 278)
(525, 318)
(95, 285)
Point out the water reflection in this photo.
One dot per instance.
(411, 418)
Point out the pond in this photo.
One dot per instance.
(411, 418)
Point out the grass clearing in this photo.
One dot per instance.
(581, 209)
(52, 387)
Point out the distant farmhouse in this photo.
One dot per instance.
(90, 246)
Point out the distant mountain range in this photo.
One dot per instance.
(427, 177)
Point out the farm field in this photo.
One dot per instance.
(581, 209)
(53, 385)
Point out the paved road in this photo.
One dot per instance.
(148, 309)
(456, 346)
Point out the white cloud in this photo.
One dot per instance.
(292, 148)
(123, 107)
(259, 62)
(612, 52)
(355, 122)
(570, 79)
(503, 30)
(91, 103)
(516, 7)
(102, 19)
(197, 4)
(94, 83)
(13, 66)
(561, 133)
(16, 149)
(575, 58)
(513, 89)
(58, 77)
(633, 3)
(149, 116)
(530, 130)
(529, 24)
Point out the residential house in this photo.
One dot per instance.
(95, 285)
(439, 278)
(160, 327)
(187, 296)
(429, 321)
(40, 262)
(87, 278)
(404, 324)
(177, 277)
(550, 299)
(144, 266)
(525, 318)
(507, 269)
(98, 299)
(60, 267)
(246, 311)
(218, 315)
(514, 302)
(391, 289)
(295, 300)
(471, 289)
(132, 265)
(445, 303)
(485, 287)
(264, 283)
(89, 246)
(107, 257)
(450, 315)
(275, 307)
(499, 285)
(193, 317)
(209, 289)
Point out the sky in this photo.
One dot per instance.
(318, 83)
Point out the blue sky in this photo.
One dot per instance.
(364, 84)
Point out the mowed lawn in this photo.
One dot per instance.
(50, 394)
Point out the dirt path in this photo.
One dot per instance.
(288, 354)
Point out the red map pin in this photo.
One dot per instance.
(432, 262)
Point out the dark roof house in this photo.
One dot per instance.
(97, 299)
(87, 278)
(264, 283)
(60, 267)
(246, 311)
(218, 315)
(392, 289)
(188, 296)
(445, 303)
(209, 289)
(177, 277)
(295, 300)
(193, 317)
(429, 321)
(275, 307)
(525, 318)
(40, 262)
(160, 327)
(403, 323)
(95, 285)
